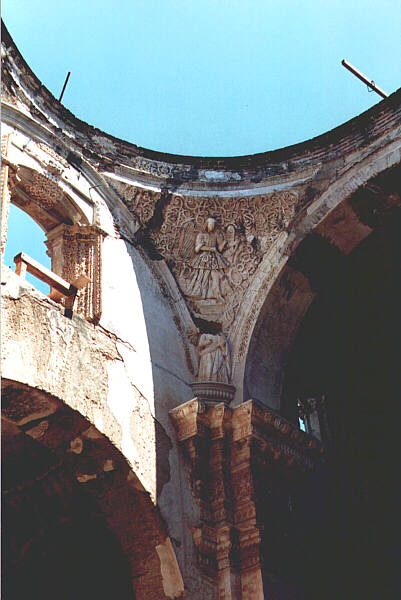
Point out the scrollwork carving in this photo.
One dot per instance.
(245, 229)
(42, 190)
(212, 261)
(140, 202)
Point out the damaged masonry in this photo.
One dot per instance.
(193, 410)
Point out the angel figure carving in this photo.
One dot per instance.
(214, 358)
(207, 267)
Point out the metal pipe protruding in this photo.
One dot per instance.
(363, 78)
(64, 86)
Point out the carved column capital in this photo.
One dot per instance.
(187, 418)
(232, 453)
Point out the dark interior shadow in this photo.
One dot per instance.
(347, 348)
(55, 540)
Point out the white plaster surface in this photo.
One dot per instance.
(140, 450)
(123, 312)
(173, 584)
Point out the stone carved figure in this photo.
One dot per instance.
(214, 358)
(248, 225)
(208, 266)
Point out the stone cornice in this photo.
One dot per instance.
(251, 420)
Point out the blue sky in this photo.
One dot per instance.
(210, 77)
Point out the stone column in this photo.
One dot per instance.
(76, 250)
(233, 454)
(247, 551)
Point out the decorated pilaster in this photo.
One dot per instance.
(234, 454)
(75, 250)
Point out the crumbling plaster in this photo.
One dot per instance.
(126, 373)
(322, 172)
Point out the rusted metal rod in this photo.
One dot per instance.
(64, 86)
(363, 78)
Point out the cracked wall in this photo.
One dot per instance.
(127, 372)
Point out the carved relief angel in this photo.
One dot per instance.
(206, 276)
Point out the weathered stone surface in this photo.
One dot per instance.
(71, 464)
(232, 453)
(200, 270)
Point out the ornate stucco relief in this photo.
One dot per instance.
(75, 251)
(213, 247)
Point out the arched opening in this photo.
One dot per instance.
(343, 368)
(73, 244)
(76, 520)
(33, 201)
(55, 541)
(325, 348)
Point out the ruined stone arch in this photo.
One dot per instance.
(41, 197)
(226, 478)
(73, 242)
(80, 486)
(278, 289)
(67, 198)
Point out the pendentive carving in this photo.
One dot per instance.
(214, 261)
(244, 229)
(205, 278)
(141, 202)
(213, 246)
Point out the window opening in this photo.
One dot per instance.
(24, 234)
(302, 417)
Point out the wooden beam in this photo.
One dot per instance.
(44, 274)
(24, 263)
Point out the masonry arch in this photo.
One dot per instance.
(328, 337)
(342, 216)
(40, 196)
(46, 205)
(73, 243)
(75, 513)
(317, 259)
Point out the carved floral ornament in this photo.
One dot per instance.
(212, 245)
